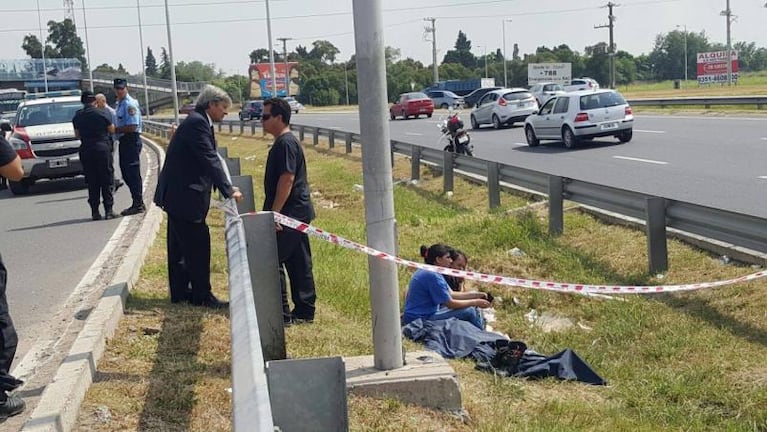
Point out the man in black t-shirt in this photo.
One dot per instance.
(287, 192)
(10, 405)
(94, 126)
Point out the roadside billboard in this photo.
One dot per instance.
(261, 80)
(560, 73)
(712, 66)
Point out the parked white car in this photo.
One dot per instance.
(582, 115)
(503, 107)
(295, 105)
(544, 91)
(585, 83)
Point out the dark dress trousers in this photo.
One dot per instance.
(192, 167)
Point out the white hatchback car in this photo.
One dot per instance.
(503, 107)
(295, 105)
(581, 115)
(544, 91)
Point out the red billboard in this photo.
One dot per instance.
(261, 80)
(712, 66)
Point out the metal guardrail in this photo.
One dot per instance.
(743, 231)
(707, 101)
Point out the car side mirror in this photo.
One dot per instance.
(535, 112)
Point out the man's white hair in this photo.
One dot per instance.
(211, 94)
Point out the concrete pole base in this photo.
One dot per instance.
(426, 380)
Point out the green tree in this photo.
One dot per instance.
(260, 55)
(323, 51)
(105, 68)
(32, 46)
(196, 71)
(150, 63)
(65, 41)
(164, 71)
(462, 53)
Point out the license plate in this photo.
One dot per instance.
(463, 139)
(423, 109)
(58, 163)
(608, 126)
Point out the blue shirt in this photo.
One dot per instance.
(425, 293)
(128, 113)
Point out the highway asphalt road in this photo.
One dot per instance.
(48, 242)
(713, 161)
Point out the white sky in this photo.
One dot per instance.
(225, 31)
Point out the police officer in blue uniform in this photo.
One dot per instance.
(128, 130)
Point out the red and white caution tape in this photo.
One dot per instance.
(504, 280)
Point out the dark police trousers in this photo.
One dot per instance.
(98, 174)
(130, 164)
(296, 257)
(8, 338)
(188, 260)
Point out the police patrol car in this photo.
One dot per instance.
(44, 138)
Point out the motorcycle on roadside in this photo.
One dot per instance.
(458, 139)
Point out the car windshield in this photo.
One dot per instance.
(553, 87)
(515, 96)
(50, 113)
(601, 100)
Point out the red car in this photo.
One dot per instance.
(412, 104)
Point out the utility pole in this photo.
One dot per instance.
(143, 59)
(505, 75)
(727, 13)
(42, 43)
(284, 41)
(611, 50)
(433, 30)
(173, 83)
(87, 49)
(685, 53)
(271, 49)
(380, 224)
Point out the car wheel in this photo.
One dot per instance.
(404, 115)
(20, 187)
(241, 119)
(296, 111)
(444, 106)
(392, 116)
(496, 122)
(428, 115)
(474, 124)
(626, 136)
(532, 140)
(569, 138)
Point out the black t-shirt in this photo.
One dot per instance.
(7, 153)
(92, 123)
(286, 155)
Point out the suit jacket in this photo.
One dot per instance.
(192, 167)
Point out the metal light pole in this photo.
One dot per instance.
(284, 41)
(685, 52)
(727, 13)
(42, 45)
(485, 48)
(377, 181)
(173, 84)
(271, 50)
(346, 81)
(87, 49)
(143, 63)
(505, 77)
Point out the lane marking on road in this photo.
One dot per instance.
(764, 139)
(519, 144)
(762, 177)
(649, 131)
(413, 134)
(650, 161)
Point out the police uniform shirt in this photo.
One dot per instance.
(128, 113)
(92, 124)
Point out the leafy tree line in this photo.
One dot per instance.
(327, 82)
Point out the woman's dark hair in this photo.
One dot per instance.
(455, 254)
(431, 253)
(455, 283)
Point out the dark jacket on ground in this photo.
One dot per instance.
(192, 167)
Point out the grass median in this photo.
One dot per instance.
(674, 362)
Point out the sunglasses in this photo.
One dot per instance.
(265, 117)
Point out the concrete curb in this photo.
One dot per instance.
(59, 404)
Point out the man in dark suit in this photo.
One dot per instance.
(192, 167)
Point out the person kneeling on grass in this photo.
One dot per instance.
(429, 297)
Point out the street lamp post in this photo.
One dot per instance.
(505, 76)
(685, 52)
(485, 50)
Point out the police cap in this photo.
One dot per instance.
(120, 83)
(87, 97)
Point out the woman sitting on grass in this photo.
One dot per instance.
(459, 262)
(429, 297)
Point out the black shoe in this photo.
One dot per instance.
(299, 320)
(212, 302)
(12, 406)
(95, 215)
(133, 210)
(117, 184)
(109, 214)
(287, 323)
